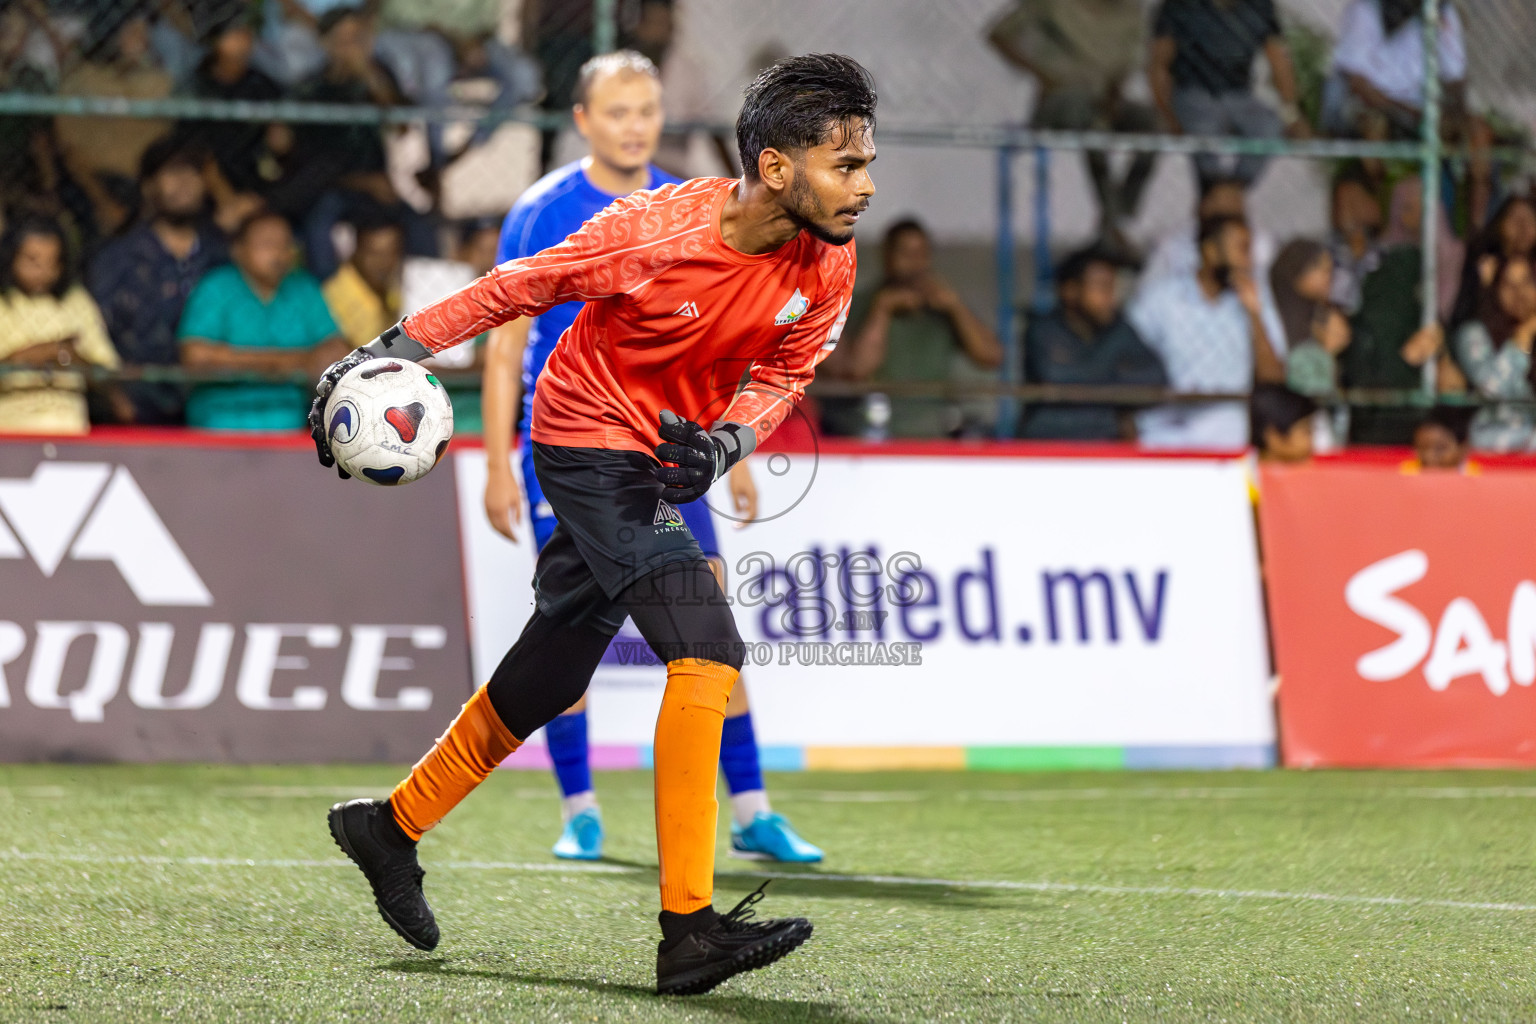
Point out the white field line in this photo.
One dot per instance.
(1271, 895)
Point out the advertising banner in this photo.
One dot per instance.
(222, 603)
(959, 610)
(1404, 614)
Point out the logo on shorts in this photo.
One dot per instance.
(793, 310)
(666, 515)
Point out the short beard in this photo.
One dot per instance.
(804, 209)
(179, 218)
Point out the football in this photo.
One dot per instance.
(389, 421)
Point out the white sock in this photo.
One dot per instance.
(748, 805)
(576, 803)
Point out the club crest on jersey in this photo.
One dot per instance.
(793, 310)
(666, 515)
(687, 309)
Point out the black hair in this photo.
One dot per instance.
(1216, 181)
(335, 16)
(1075, 267)
(169, 151)
(1216, 225)
(901, 227)
(367, 221)
(30, 226)
(1456, 419)
(800, 102)
(472, 226)
(619, 61)
(1277, 406)
(250, 222)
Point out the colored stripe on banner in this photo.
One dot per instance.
(618, 757)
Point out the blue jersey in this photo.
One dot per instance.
(553, 208)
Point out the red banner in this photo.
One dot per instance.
(1403, 614)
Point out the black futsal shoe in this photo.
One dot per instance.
(366, 831)
(703, 949)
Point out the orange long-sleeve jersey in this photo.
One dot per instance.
(674, 319)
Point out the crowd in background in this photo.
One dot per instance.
(268, 248)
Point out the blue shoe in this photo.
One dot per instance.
(582, 838)
(772, 837)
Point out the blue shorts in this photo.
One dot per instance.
(696, 514)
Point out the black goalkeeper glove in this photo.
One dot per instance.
(699, 458)
(393, 343)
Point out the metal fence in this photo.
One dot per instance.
(477, 96)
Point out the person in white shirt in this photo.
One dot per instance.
(1376, 90)
(1208, 327)
(1178, 252)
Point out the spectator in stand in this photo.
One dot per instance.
(364, 295)
(1208, 328)
(1390, 343)
(913, 327)
(238, 149)
(29, 51)
(559, 35)
(1440, 439)
(1081, 53)
(47, 322)
(1376, 90)
(1201, 74)
(1315, 331)
(1177, 254)
(1280, 424)
(1494, 349)
(1085, 341)
(338, 172)
(263, 316)
(141, 279)
(1355, 241)
(1511, 233)
(102, 154)
(1405, 222)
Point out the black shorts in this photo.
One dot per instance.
(614, 528)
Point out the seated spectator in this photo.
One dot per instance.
(1390, 343)
(338, 172)
(912, 327)
(259, 315)
(364, 295)
(1376, 90)
(102, 154)
(1281, 423)
(1405, 224)
(238, 148)
(1440, 439)
(1085, 340)
(1510, 234)
(29, 51)
(141, 279)
(1494, 349)
(47, 321)
(1201, 74)
(1355, 240)
(1208, 328)
(1315, 331)
(1177, 254)
(1081, 53)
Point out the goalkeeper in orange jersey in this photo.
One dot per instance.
(708, 302)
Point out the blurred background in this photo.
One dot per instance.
(1046, 170)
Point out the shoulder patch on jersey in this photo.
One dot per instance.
(793, 310)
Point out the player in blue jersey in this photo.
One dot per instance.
(618, 111)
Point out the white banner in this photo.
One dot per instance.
(963, 601)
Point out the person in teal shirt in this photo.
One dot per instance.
(260, 315)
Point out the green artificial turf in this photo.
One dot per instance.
(193, 893)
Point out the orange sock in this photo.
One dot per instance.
(687, 759)
(463, 756)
